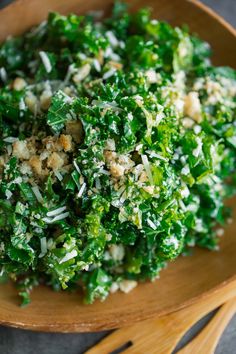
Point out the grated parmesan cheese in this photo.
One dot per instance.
(151, 75)
(172, 241)
(112, 38)
(109, 73)
(37, 194)
(58, 175)
(3, 74)
(151, 224)
(117, 252)
(43, 245)
(56, 211)
(97, 65)
(185, 192)
(82, 73)
(114, 287)
(8, 194)
(10, 139)
(81, 191)
(76, 166)
(68, 256)
(46, 61)
(185, 170)
(197, 151)
(147, 168)
(56, 218)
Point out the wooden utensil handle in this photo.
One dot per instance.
(161, 335)
(207, 340)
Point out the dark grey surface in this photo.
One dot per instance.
(15, 341)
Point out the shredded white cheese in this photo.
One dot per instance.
(8, 194)
(151, 75)
(81, 191)
(158, 156)
(104, 172)
(46, 61)
(97, 65)
(112, 38)
(185, 170)
(43, 244)
(147, 168)
(172, 241)
(109, 73)
(77, 167)
(10, 139)
(151, 224)
(185, 192)
(68, 256)
(3, 74)
(117, 252)
(56, 218)
(82, 73)
(22, 105)
(56, 211)
(114, 287)
(37, 194)
(58, 175)
(197, 151)
(97, 183)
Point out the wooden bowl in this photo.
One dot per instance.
(185, 280)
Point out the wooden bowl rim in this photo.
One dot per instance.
(197, 3)
(75, 327)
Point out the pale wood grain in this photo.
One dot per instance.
(160, 336)
(207, 340)
(186, 280)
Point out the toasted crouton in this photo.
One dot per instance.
(66, 142)
(55, 161)
(117, 170)
(36, 164)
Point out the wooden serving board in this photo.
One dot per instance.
(186, 280)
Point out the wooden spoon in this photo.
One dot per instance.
(161, 335)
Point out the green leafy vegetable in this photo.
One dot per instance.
(117, 150)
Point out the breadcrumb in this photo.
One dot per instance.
(66, 142)
(36, 164)
(55, 161)
(117, 170)
(20, 150)
(143, 177)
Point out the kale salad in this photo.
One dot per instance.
(117, 150)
